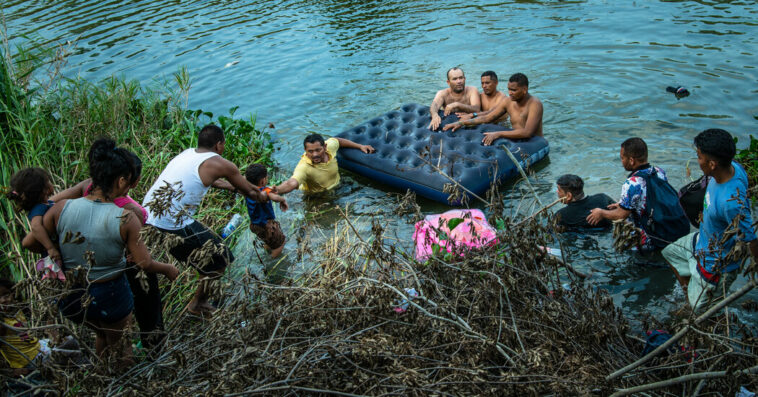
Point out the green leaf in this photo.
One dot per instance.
(452, 223)
(435, 249)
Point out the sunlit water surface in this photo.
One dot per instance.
(599, 67)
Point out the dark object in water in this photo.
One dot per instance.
(410, 156)
(691, 198)
(679, 92)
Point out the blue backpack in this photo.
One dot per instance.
(664, 219)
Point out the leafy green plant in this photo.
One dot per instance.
(748, 157)
(53, 128)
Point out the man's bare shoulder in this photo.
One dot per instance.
(443, 93)
(504, 102)
(218, 165)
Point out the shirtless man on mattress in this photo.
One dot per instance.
(524, 109)
(456, 98)
(489, 97)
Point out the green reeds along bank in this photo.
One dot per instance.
(748, 157)
(50, 122)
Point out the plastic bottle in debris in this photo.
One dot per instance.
(680, 92)
(233, 223)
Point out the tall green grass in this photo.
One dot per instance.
(48, 121)
(748, 157)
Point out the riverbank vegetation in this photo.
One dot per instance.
(748, 157)
(50, 121)
(510, 320)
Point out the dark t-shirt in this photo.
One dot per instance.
(260, 213)
(39, 209)
(575, 213)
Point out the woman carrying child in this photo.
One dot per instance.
(93, 234)
(148, 308)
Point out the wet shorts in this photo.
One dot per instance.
(679, 255)
(194, 236)
(111, 301)
(270, 233)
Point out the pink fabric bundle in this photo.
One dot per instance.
(470, 230)
(50, 269)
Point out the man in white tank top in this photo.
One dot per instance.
(175, 196)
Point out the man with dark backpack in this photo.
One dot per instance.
(647, 200)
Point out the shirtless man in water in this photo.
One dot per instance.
(458, 97)
(489, 97)
(525, 112)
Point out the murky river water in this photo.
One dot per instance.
(600, 68)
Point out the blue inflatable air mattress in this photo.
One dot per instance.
(409, 155)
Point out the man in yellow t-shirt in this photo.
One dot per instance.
(317, 170)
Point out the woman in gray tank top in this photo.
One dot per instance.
(93, 233)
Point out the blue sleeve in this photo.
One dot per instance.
(38, 210)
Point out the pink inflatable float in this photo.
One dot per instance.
(453, 231)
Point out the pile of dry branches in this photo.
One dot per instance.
(505, 320)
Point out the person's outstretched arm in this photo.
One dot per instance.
(613, 212)
(489, 116)
(279, 199)
(531, 127)
(130, 229)
(74, 192)
(287, 186)
(348, 144)
(223, 168)
(224, 185)
(463, 116)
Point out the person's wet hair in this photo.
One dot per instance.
(572, 184)
(255, 173)
(718, 144)
(454, 68)
(313, 138)
(490, 74)
(520, 79)
(635, 148)
(107, 164)
(29, 187)
(209, 136)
